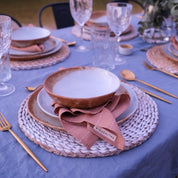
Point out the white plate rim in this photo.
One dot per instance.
(125, 115)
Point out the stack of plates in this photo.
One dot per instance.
(27, 36)
(170, 51)
(99, 18)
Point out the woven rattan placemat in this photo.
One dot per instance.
(86, 35)
(157, 58)
(59, 56)
(137, 129)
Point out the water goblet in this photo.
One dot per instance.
(5, 41)
(81, 11)
(118, 18)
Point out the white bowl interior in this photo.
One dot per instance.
(86, 83)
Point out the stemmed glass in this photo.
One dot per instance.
(118, 18)
(81, 11)
(5, 41)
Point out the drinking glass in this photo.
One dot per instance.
(81, 11)
(5, 70)
(118, 18)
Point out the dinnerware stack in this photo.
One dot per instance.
(99, 18)
(77, 87)
(32, 43)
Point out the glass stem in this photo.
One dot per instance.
(2, 86)
(118, 39)
(81, 36)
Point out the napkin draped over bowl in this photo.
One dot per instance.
(32, 48)
(88, 125)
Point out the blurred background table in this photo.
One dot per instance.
(157, 157)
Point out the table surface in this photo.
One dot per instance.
(157, 157)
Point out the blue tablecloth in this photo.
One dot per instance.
(157, 157)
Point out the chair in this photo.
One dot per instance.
(61, 15)
(15, 23)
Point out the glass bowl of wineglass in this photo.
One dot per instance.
(5, 41)
(118, 18)
(81, 12)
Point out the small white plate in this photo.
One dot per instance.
(168, 53)
(44, 102)
(48, 46)
(38, 55)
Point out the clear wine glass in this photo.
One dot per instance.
(5, 41)
(118, 18)
(81, 11)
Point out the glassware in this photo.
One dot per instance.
(5, 41)
(81, 11)
(118, 18)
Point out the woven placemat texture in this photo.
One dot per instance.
(59, 56)
(157, 58)
(137, 129)
(86, 35)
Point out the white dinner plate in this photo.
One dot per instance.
(48, 46)
(39, 55)
(44, 102)
(168, 53)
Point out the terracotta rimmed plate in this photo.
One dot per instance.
(44, 103)
(37, 114)
(49, 44)
(166, 52)
(26, 36)
(37, 56)
(82, 87)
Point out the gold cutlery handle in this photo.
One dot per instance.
(28, 150)
(163, 91)
(173, 75)
(156, 96)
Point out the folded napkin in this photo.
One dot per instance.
(88, 125)
(174, 42)
(32, 48)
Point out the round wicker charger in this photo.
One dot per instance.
(52, 59)
(86, 35)
(137, 129)
(157, 58)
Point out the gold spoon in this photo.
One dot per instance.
(148, 66)
(128, 75)
(33, 88)
(68, 43)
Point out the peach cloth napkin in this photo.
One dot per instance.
(88, 125)
(174, 42)
(32, 48)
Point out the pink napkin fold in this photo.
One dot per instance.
(174, 42)
(88, 125)
(32, 48)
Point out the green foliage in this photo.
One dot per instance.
(156, 11)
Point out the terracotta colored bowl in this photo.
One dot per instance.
(81, 87)
(27, 36)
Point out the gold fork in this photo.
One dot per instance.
(150, 67)
(5, 126)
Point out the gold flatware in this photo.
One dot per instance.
(33, 88)
(150, 67)
(68, 43)
(146, 49)
(152, 94)
(5, 126)
(128, 75)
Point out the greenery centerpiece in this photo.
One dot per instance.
(156, 16)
